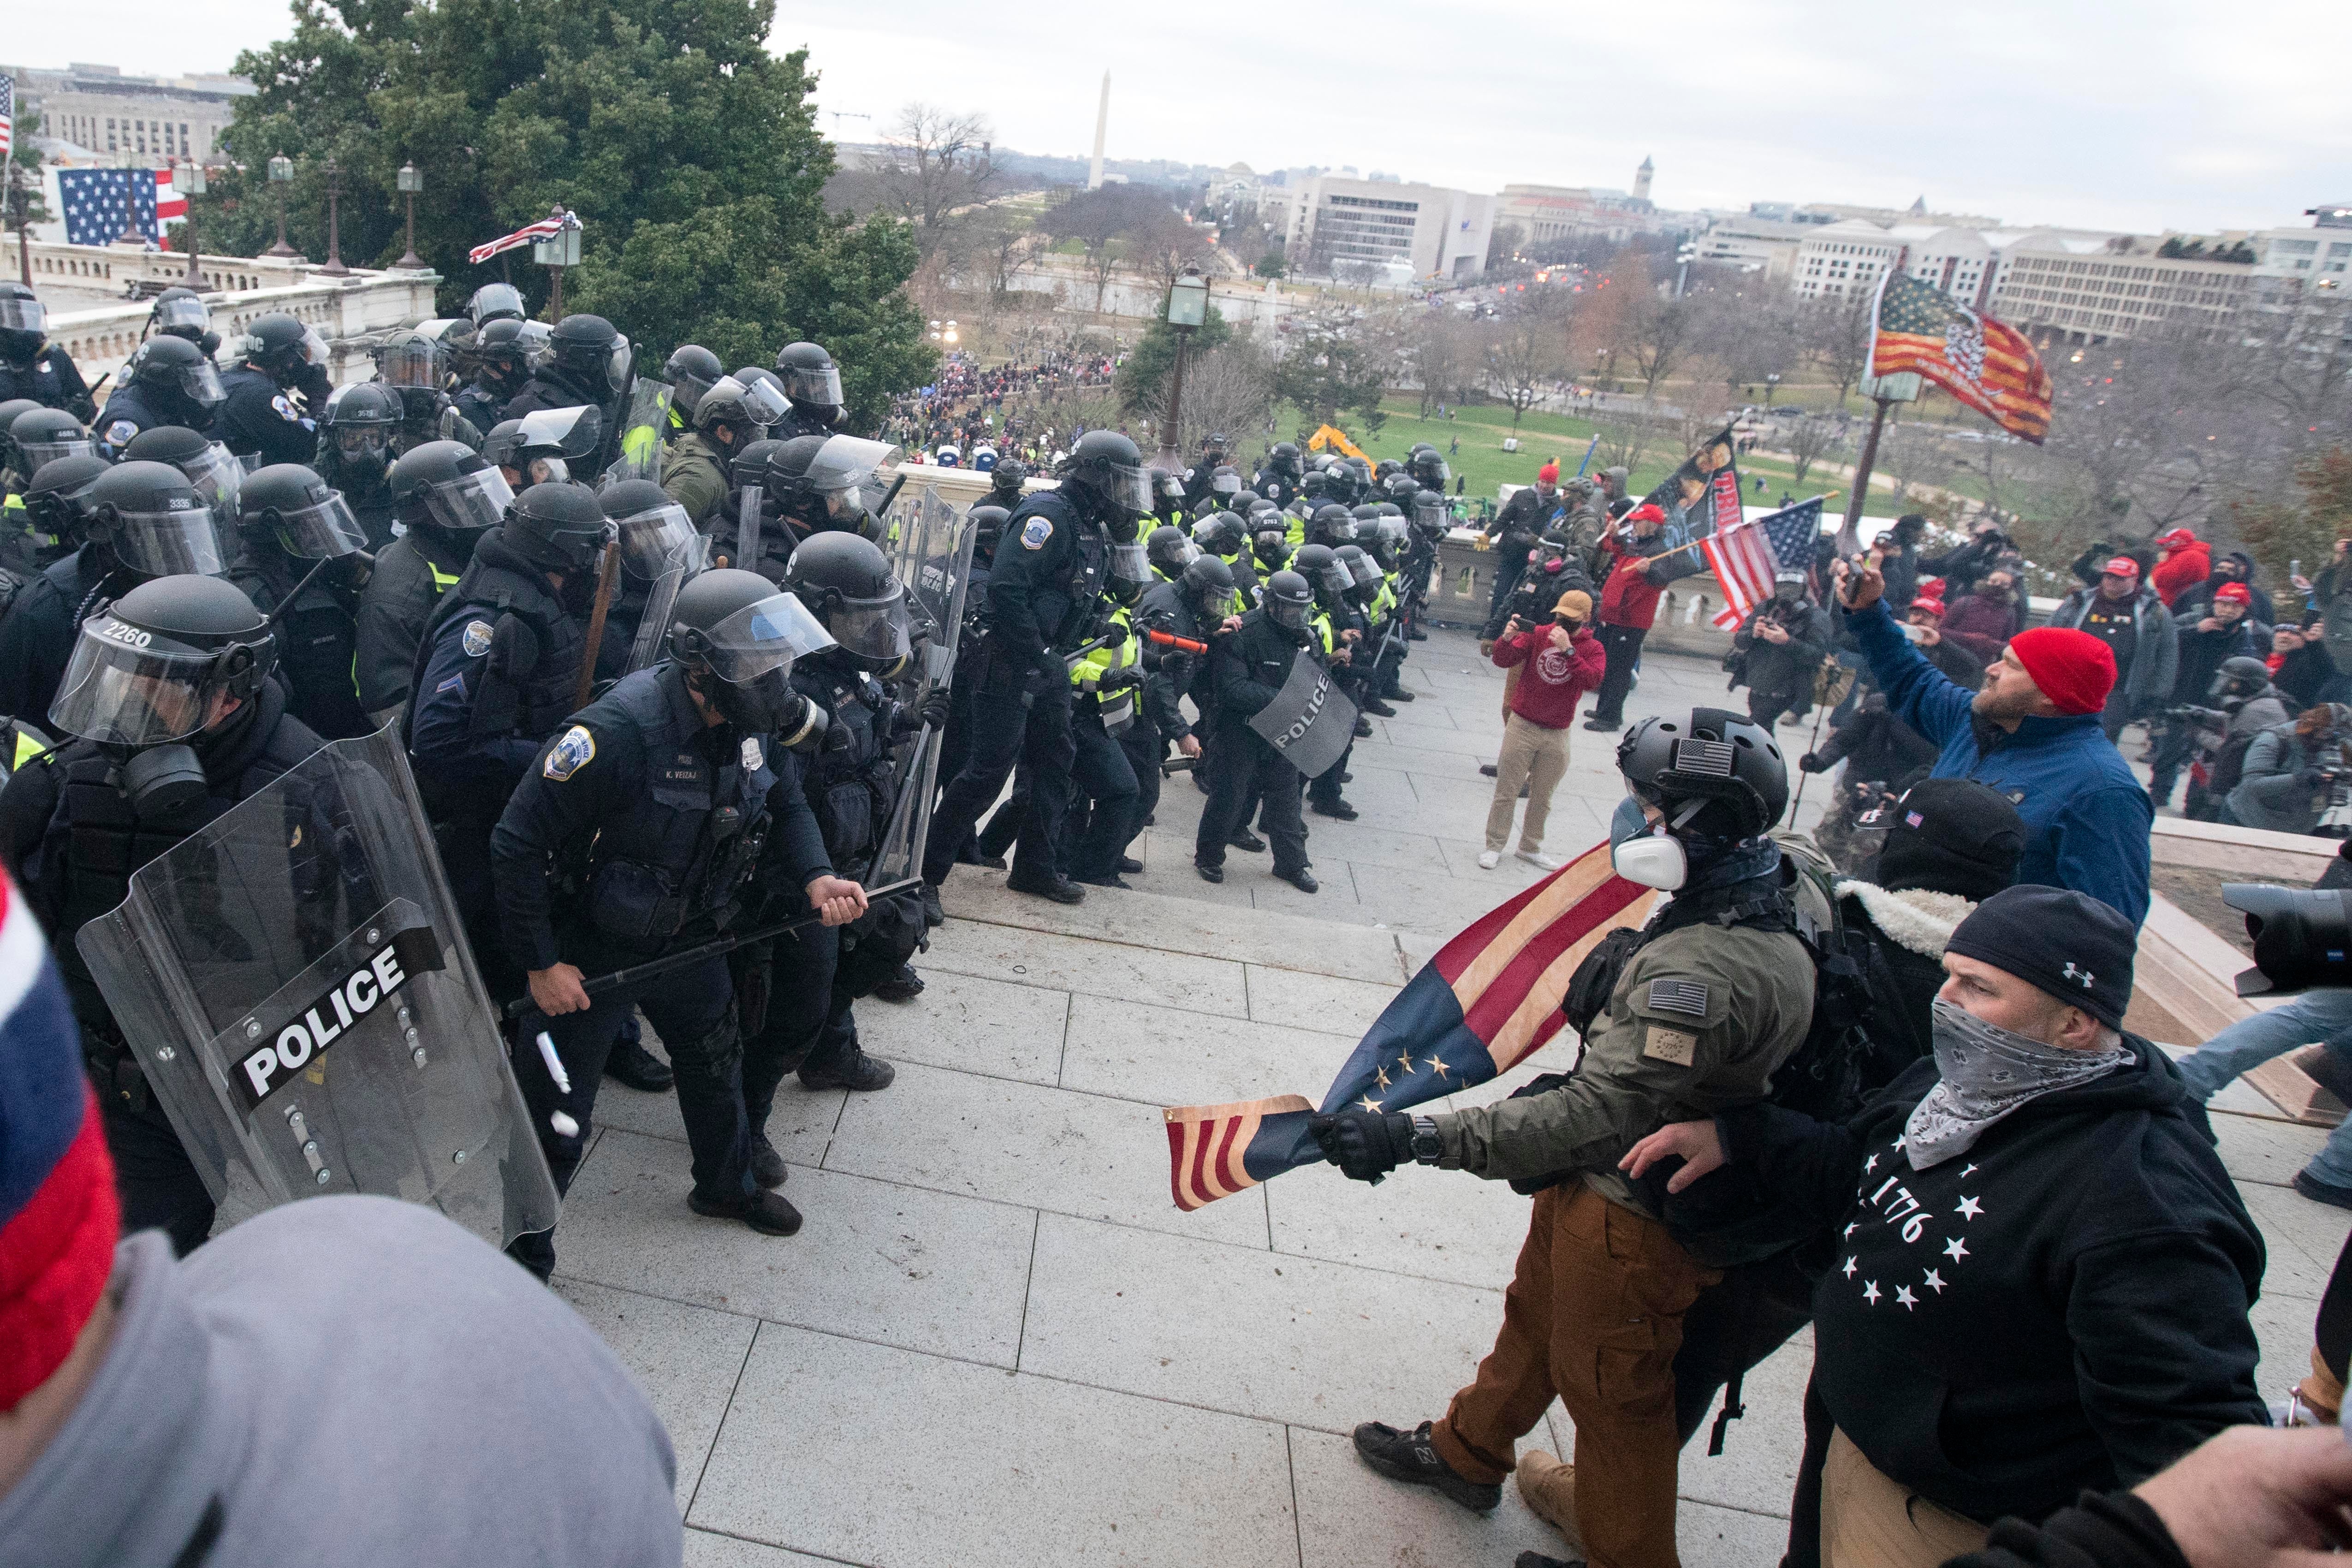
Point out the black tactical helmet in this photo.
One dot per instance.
(502, 353)
(691, 370)
(847, 584)
(44, 434)
(656, 532)
(446, 484)
(810, 377)
(987, 528)
(1319, 565)
(1707, 756)
(1107, 472)
(750, 465)
(1220, 533)
(291, 504)
(57, 500)
(1009, 475)
(14, 409)
(1362, 571)
(1314, 484)
(152, 519)
(1209, 585)
(180, 312)
(2243, 676)
(151, 668)
(282, 348)
(495, 302)
(585, 338)
(24, 321)
(1363, 513)
(1168, 549)
(743, 409)
(1400, 490)
(1289, 600)
(1330, 524)
(1429, 469)
(559, 527)
(215, 474)
(361, 407)
(740, 634)
(1284, 458)
(177, 366)
(1215, 442)
(1383, 468)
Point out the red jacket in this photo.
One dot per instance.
(2181, 568)
(1630, 598)
(1555, 679)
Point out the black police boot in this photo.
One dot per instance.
(1396, 694)
(1061, 890)
(1377, 709)
(933, 915)
(767, 1165)
(904, 985)
(632, 1064)
(1113, 881)
(1337, 807)
(1128, 866)
(767, 1213)
(1416, 635)
(855, 1070)
(1409, 1457)
(1244, 839)
(1209, 873)
(1604, 724)
(1363, 728)
(1303, 880)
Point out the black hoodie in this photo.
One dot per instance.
(2061, 1308)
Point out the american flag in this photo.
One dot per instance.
(96, 201)
(7, 115)
(1489, 1000)
(169, 203)
(1744, 558)
(1985, 364)
(522, 237)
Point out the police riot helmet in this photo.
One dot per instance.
(283, 348)
(2243, 676)
(11, 411)
(160, 664)
(1127, 573)
(1225, 484)
(1383, 468)
(742, 410)
(847, 585)
(175, 365)
(502, 354)
(1167, 489)
(828, 478)
(1284, 458)
(1242, 502)
(1289, 600)
(738, 635)
(289, 504)
(1009, 475)
(361, 416)
(1429, 469)
(584, 345)
(1711, 771)
(180, 312)
(749, 466)
(1168, 549)
(1363, 512)
(448, 484)
(1363, 572)
(1314, 486)
(1320, 565)
(1208, 586)
(1330, 524)
(495, 302)
(756, 375)
(691, 370)
(215, 474)
(558, 527)
(1390, 531)
(57, 501)
(811, 380)
(23, 323)
(412, 361)
(1220, 533)
(152, 519)
(1400, 490)
(656, 533)
(45, 434)
(1107, 472)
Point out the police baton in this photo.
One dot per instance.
(607, 574)
(653, 968)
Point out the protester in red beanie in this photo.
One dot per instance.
(2073, 668)
(1639, 569)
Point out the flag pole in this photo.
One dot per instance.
(1849, 534)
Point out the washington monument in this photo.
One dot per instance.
(1102, 123)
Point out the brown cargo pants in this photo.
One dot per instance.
(1594, 1315)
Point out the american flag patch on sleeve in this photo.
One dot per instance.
(1678, 996)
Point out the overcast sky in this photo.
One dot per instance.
(2158, 113)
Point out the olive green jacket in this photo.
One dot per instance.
(694, 475)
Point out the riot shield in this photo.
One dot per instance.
(643, 425)
(1310, 720)
(651, 645)
(299, 993)
(931, 550)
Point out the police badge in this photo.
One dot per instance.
(478, 638)
(569, 754)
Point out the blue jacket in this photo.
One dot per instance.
(2087, 818)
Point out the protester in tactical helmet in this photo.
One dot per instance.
(445, 498)
(675, 801)
(169, 381)
(31, 366)
(729, 416)
(171, 718)
(275, 392)
(810, 382)
(289, 523)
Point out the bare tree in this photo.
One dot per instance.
(1836, 335)
(1913, 458)
(1229, 389)
(1526, 353)
(1625, 439)
(1444, 350)
(1666, 334)
(1807, 441)
(1606, 315)
(934, 162)
(1161, 245)
(1102, 221)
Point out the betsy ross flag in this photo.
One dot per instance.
(1485, 1003)
(1745, 558)
(545, 227)
(1985, 364)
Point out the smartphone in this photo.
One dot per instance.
(1912, 632)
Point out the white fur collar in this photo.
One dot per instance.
(1919, 920)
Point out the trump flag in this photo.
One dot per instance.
(1489, 1000)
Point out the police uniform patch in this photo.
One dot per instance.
(1035, 531)
(1678, 996)
(569, 754)
(120, 432)
(752, 754)
(1665, 1044)
(478, 638)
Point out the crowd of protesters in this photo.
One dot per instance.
(1009, 410)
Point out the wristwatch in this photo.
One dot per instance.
(1427, 1146)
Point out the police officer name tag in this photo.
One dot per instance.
(305, 1031)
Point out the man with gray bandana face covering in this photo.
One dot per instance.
(2041, 1272)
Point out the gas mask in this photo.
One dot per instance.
(767, 705)
(162, 781)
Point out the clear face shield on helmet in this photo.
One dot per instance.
(750, 654)
(470, 502)
(185, 316)
(1129, 563)
(1225, 482)
(217, 477)
(322, 531)
(653, 541)
(126, 686)
(1334, 578)
(1362, 570)
(201, 383)
(566, 432)
(1291, 615)
(620, 363)
(35, 453)
(875, 632)
(841, 474)
(492, 300)
(1124, 488)
(762, 405)
(184, 537)
(413, 363)
(820, 387)
(18, 314)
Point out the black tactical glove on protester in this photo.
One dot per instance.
(1366, 1145)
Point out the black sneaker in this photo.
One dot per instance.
(1209, 873)
(767, 1213)
(994, 862)
(1244, 839)
(1061, 890)
(1339, 808)
(2321, 1191)
(856, 1072)
(903, 985)
(767, 1165)
(1603, 724)
(1490, 769)
(632, 1064)
(1408, 1457)
(932, 914)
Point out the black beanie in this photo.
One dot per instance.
(1951, 835)
(2066, 943)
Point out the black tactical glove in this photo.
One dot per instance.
(1366, 1145)
(1114, 635)
(1810, 763)
(1121, 678)
(933, 710)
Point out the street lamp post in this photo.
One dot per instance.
(556, 252)
(335, 266)
(193, 176)
(411, 182)
(281, 175)
(1188, 309)
(1771, 385)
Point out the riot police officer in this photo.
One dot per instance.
(495, 302)
(955, 744)
(1277, 477)
(812, 385)
(655, 539)
(691, 370)
(173, 721)
(1042, 592)
(1211, 481)
(1198, 605)
(289, 522)
(355, 454)
(144, 520)
(31, 365)
(38, 435)
(1225, 535)
(818, 484)
(50, 520)
(274, 392)
(416, 368)
(729, 417)
(658, 803)
(14, 470)
(501, 362)
(445, 498)
(1250, 664)
(1103, 706)
(215, 474)
(586, 365)
(169, 381)
(1005, 482)
(181, 312)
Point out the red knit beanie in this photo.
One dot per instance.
(2075, 669)
(1549, 474)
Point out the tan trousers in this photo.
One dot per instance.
(1533, 757)
(1594, 1315)
(1870, 1521)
